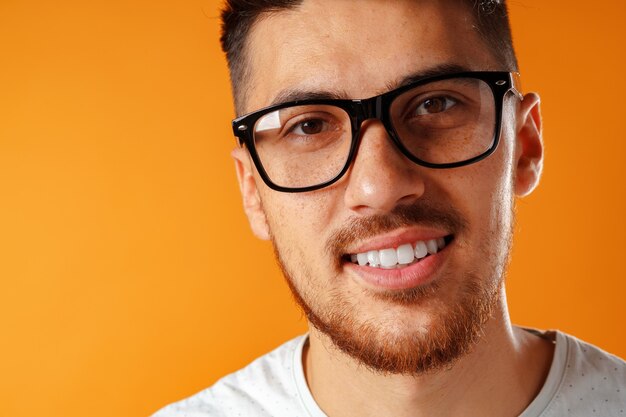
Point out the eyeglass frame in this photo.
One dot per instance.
(378, 107)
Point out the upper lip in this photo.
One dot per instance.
(397, 238)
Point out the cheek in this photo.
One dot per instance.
(484, 191)
(297, 221)
(300, 225)
(498, 200)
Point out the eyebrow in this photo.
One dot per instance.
(297, 94)
(443, 69)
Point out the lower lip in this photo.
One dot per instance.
(411, 276)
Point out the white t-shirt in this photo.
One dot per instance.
(583, 381)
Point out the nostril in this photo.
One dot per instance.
(408, 200)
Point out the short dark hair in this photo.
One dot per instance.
(238, 17)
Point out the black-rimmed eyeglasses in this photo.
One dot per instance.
(444, 121)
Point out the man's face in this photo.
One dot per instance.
(412, 318)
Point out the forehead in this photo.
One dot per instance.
(356, 49)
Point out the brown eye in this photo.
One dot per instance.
(310, 127)
(435, 105)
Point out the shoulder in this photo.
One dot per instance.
(591, 367)
(590, 380)
(582, 354)
(266, 387)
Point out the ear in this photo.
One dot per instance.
(250, 194)
(529, 145)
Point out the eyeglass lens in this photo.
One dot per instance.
(441, 122)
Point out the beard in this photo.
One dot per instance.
(398, 346)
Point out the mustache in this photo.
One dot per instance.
(424, 214)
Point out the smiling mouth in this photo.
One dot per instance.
(400, 257)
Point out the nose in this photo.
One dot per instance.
(381, 177)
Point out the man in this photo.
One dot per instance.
(383, 145)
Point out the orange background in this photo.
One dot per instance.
(129, 276)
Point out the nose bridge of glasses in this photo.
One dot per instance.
(365, 109)
(369, 109)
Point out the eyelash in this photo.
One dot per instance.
(449, 102)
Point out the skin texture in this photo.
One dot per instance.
(357, 52)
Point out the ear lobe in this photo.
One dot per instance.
(529, 145)
(250, 194)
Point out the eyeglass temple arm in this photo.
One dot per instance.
(516, 85)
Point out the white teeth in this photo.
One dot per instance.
(388, 257)
(361, 258)
(431, 245)
(406, 254)
(373, 258)
(420, 250)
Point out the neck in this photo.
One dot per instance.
(499, 377)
